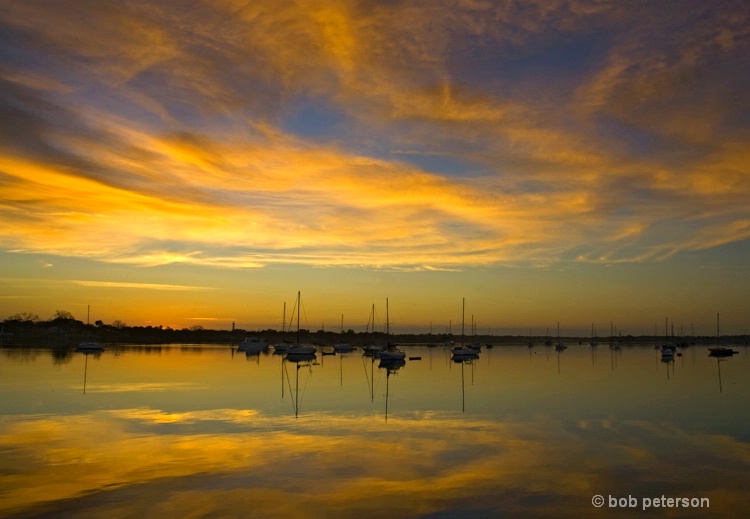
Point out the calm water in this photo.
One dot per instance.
(191, 431)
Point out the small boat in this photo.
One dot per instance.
(390, 352)
(90, 347)
(464, 352)
(298, 349)
(593, 342)
(559, 346)
(371, 350)
(343, 347)
(253, 345)
(720, 351)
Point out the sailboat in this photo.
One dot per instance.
(343, 346)
(391, 352)
(89, 347)
(371, 349)
(593, 342)
(300, 349)
(253, 345)
(720, 351)
(282, 347)
(463, 351)
(668, 348)
(559, 346)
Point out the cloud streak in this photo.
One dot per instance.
(245, 136)
(148, 286)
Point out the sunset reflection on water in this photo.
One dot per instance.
(205, 433)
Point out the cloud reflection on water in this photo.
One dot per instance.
(146, 462)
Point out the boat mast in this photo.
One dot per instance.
(463, 314)
(298, 303)
(387, 323)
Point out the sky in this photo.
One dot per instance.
(198, 163)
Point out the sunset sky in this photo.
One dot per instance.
(198, 163)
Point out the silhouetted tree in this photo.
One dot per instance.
(63, 315)
(23, 317)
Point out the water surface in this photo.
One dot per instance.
(199, 431)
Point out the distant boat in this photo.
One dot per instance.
(463, 351)
(559, 346)
(720, 351)
(343, 347)
(390, 352)
(252, 345)
(548, 341)
(371, 349)
(90, 347)
(668, 348)
(593, 342)
(298, 349)
(283, 346)
(667, 353)
(615, 345)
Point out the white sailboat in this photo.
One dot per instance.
(371, 349)
(342, 346)
(300, 349)
(390, 352)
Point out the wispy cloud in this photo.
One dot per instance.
(158, 136)
(148, 286)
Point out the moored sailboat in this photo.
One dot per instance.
(463, 351)
(390, 352)
(252, 345)
(299, 349)
(720, 351)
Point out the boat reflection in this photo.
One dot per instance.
(391, 367)
(463, 362)
(300, 360)
(88, 348)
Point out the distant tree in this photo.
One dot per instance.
(99, 323)
(119, 324)
(63, 315)
(24, 317)
(196, 328)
